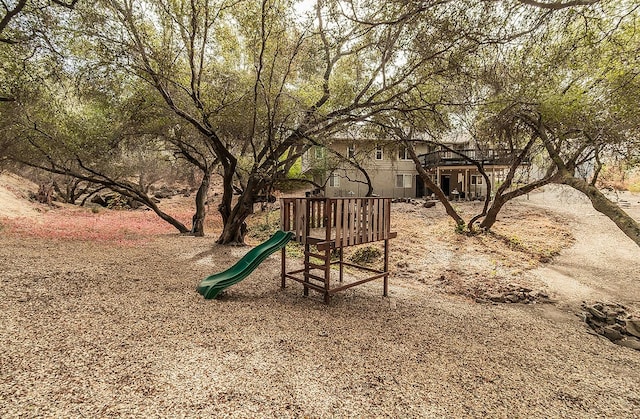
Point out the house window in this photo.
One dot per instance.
(319, 152)
(351, 151)
(403, 181)
(476, 180)
(334, 180)
(403, 154)
(379, 153)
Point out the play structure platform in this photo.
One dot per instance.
(324, 225)
(213, 284)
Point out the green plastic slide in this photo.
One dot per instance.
(212, 285)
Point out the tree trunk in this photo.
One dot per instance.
(435, 188)
(602, 204)
(163, 215)
(501, 199)
(235, 227)
(197, 226)
(492, 214)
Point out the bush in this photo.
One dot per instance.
(366, 255)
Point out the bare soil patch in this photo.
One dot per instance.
(109, 328)
(14, 192)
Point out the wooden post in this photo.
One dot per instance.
(307, 246)
(327, 252)
(341, 249)
(385, 288)
(283, 267)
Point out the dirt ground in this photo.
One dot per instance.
(108, 327)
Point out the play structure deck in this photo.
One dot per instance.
(323, 225)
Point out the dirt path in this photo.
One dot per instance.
(603, 264)
(102, 328)
(13, 192)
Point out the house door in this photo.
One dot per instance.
(419, 187)
(445, 181)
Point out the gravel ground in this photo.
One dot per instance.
(97, 330)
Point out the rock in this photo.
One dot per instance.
(496, 298)
(392, 304)
(611, 333)
(98, 199)
(633, 327)
(632, 343)
(597, 313)
(512, 298)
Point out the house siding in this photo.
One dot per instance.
(383, 173)
(456, 181)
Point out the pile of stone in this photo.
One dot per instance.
(614, 322)
(514, 293)
(165, 192)
(114, 200)
(428, 203)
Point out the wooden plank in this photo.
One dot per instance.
(344, 239)
(315, 240)
(307, 226)
(326, 218)
(283, 211)
(307, 284)
(369, 225)
(337, 218)
(364, 268)
(312, 213)
(316, 278)
(353, 284)
(376, 218)
(385, 286)
(364, 221)
(299, 211)
(352, 231)
(316, 255)
(358, 228)
(328, 245)
(387, 218)
(316, 266)
(382, 218)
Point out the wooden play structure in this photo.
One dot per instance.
(326, 224)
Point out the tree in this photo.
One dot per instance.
(262, 91)
(86, 137)
(459, 87)
(583, 114)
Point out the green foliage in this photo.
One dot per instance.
(461, 228)
(264, 225)
(366, 255)
(295, 172)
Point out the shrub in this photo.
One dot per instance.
(366, 255)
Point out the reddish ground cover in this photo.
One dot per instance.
(127, 228)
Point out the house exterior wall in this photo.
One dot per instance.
(384, 167)
(393, 173)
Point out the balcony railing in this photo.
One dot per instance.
(486, 157)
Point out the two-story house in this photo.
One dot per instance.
(393, 173)
(390, 168)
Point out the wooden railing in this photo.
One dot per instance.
(491, 156)
(337, 222)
